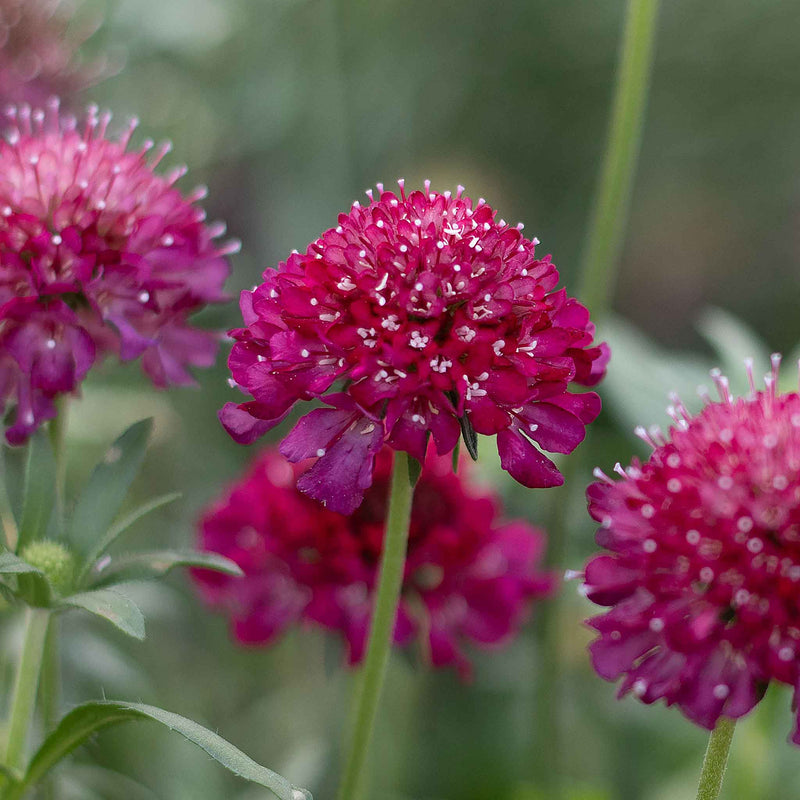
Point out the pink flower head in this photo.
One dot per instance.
(468, 578)
(39, 44)
(703, 573)
(99, 255)
(434, 317)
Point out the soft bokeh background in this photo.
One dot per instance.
(288, 110)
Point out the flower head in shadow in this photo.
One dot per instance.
(469, 578)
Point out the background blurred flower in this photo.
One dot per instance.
(468, 578)
(99, 255)
(434, 312)
(39, 44)
(705, 558)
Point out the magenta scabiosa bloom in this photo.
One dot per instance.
(703, 574)
(434, 317)
(99, 255)
(39, 52)
(468, 577)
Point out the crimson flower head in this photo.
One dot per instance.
(98, 255)
(433, 317)
(703, 573)
(39, 52)
(468, 577)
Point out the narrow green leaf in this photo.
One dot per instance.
(734, 342)
(81, 723)
(109, 484)
(414, 471)
(118, 528)
(32, 586)
(39, 490)
(141, 566)
(456, 454)
(113, 606)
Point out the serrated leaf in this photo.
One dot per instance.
(118, 528)
(118, 609)
(39, 491)
(86, 720)
(734, 342)
(32, 586)
(108, 485)
(142, 566)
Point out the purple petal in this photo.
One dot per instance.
(525, 463)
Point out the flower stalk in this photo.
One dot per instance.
(26, 684)
(599, 269)
(612, 201)
(390, 578)
(716, 759)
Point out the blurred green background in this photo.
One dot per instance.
(288, 110)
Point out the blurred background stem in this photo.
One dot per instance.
(598, 278)
(387, 597)
(716, 759)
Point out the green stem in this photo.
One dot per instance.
(58, 439)
(716, 759)
(23, 697)
(390, 580)
(610, 214)
(600, 264)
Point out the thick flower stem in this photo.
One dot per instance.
(390, 580)
(610, 213)
(716, 759)
(26, 684)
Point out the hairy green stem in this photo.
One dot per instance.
(716, 759)
(23, 698)
(390, 580)
(610, 214)
(600, 264)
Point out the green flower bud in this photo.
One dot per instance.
(54, 560)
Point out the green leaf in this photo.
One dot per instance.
(734, 342)
(141, 566)
(118, 528)
(641, 376)
(414, 471)
(39, 490)
(81, 723)
(118, 609)
(109, 484)
(32, 586)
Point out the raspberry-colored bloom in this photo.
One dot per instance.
(433, 315)
(39, 44)
(468, 578)
(98, 255)
(703, 575)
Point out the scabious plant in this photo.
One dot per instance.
(703, 573)
(435, 318)
(468, 576)
(39, 52)
(99, 255)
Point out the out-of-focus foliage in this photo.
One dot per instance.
(289, 109)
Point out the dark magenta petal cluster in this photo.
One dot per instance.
(39, 52)
(703, 569)
(98, 255)
(469, 578)
(430, 314)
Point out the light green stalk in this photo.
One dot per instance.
(716, 759)
(390, 580)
